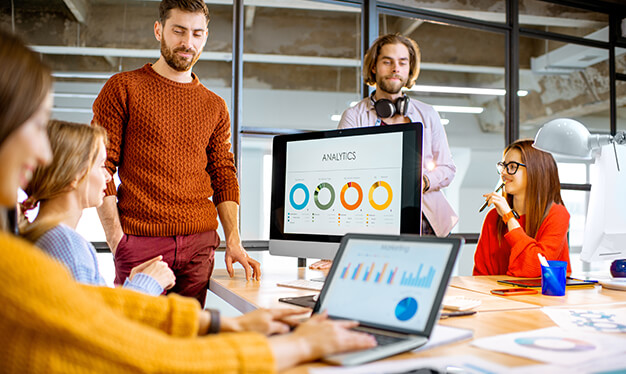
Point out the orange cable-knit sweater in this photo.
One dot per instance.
(516, 254)
(171, 143)
(51, 324)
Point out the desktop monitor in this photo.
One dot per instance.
(605, 225)
(329, 183)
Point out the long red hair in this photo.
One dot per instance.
(543, 187)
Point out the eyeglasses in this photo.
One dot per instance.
(510, 167)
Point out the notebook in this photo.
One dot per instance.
(392, 285)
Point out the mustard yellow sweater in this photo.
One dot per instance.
(51, 324)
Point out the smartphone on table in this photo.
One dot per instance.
(513, 291)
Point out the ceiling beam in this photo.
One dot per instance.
(254, 57)
(205, 56)
(78, 8)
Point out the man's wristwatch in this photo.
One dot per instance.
(426, 183)
(507, 216)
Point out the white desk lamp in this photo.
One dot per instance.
(570, 138)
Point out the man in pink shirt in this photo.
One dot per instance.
(391, 63)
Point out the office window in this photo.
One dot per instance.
(464, 81)
(621, 107)
(490, 11)
(563, 80)
(121, 38)
(560, 19)
(302, 69)
(620, 57)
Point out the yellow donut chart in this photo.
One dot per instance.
(342, 195)
(384, 185)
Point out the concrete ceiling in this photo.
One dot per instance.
(314, 46)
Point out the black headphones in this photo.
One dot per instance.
(386, 108)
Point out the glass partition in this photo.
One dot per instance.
(301, 70)
(561, 19)
(483, 10)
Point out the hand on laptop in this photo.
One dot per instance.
(264, 321)
(316, 338)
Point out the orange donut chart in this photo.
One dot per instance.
(384, 185)
(342, 195)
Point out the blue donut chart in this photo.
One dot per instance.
(299, 186)
(406, 309)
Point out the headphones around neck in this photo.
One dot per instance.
(386, 108)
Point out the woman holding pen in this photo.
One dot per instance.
(529, 216)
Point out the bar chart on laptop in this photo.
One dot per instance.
(403, 277)
(386, 274)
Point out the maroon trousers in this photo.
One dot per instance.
(191, 258)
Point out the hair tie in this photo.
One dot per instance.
(28, 204)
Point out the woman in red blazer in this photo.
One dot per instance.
(528, 216)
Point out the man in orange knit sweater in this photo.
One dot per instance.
(169, 138)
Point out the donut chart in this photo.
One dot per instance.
(557, 344)
(406, 309)
(342, 195)
(296, 187)
(370, 196)
(330, 189)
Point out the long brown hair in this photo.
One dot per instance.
(543, 187)
(74, 152)
(24, 84)
(371, 57)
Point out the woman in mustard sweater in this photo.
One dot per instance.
(51, 324)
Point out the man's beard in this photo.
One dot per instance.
(391, 87)
(174, 60)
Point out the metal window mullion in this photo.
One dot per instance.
(369, 33)
(237, 81)
(511, 84)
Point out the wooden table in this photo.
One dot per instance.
(596, 295)
(247, 296)
(497, 315)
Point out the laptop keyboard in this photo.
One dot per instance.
(383, 339)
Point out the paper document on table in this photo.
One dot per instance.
(555, 345)
(589, 320)
(449, 364)
(445, 335)
(605, 365)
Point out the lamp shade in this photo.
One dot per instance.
(564, 136)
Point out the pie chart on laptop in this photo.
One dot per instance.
(406, 309)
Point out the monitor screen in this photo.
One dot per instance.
(329, 183)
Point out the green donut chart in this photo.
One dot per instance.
(330, 189)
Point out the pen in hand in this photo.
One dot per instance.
(485, 204)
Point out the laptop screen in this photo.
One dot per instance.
(389, 283)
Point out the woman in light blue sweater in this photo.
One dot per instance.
(73, 181)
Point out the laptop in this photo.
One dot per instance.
(393, 285)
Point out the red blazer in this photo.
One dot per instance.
(516, 254)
